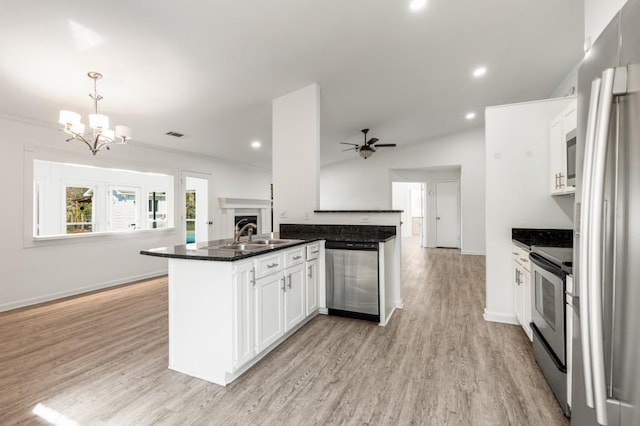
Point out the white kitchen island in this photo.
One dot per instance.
(228, 309)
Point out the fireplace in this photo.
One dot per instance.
(233, 210)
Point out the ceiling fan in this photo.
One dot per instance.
(366, 150)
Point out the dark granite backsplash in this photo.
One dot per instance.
(543, 237)
(351, 233)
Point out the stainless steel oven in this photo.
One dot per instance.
(549, 267)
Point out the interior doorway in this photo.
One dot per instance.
(196, 213)
(410, 198)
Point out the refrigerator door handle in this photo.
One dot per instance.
(583, 248)
(596, 239)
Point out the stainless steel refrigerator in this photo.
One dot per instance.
(606, 302)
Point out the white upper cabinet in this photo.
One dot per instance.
(562, 139)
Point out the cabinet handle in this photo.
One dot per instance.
(517, 276)
(297, 257)
(315, 251)
(253, 280)
(273, 265)
(284, 287)
(525, 260)
(514, 253)
(289, 280)
(310, 272)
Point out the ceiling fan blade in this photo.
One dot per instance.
(355, 148)
(384, 144)
(348, 143)
(372, 141)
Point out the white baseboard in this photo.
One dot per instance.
(473, 253)
(77, 291)
(500, 317)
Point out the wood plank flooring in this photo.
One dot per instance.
(101, 359)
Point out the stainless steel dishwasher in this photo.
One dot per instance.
(352, 280)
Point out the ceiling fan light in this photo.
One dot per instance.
(98, 121)
(365, 153)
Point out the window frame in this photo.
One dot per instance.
(34, 187)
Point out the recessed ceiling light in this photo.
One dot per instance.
(479, 72)
(470, 116)
(256, 144)
(417, 4)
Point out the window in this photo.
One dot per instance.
(79, 209)
(123, 209)
(71, 199)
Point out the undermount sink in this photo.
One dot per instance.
(260, 244)
(269, 242)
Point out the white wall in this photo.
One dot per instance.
(296, 154)
(366, 184)
(597, 14)
(56, 269)
(517, 194)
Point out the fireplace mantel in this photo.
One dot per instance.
(243, 203)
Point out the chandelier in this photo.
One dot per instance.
(100, 134)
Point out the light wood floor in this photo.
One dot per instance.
(101, 359)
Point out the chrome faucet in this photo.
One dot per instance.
(238, 231)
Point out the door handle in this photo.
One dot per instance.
(585, 215)
(289, 280)
(310, 272)
(284, 287)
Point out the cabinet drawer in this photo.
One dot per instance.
(294, 256)
(521, 256)
(313, 251)
(268, 264)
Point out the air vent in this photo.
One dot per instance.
(175, 134)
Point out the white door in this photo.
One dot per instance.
(197, 207)
(447, 217)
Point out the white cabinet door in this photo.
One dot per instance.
(518, 302)
(243, 314)
(269, 310)
(564, 124)
(312, 287)
(526, 303)
(294, 300)
(555, 156)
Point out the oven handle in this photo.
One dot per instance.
(543, 263)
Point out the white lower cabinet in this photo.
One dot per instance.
(522, 291)
(294, 300)
(269, 310)
(244, 341)
(312, 296)
(224, 316)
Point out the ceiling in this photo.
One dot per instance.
(210, 68)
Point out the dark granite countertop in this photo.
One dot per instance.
(528, 237)
(358, 211)
(347, 233)
(200, 251)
